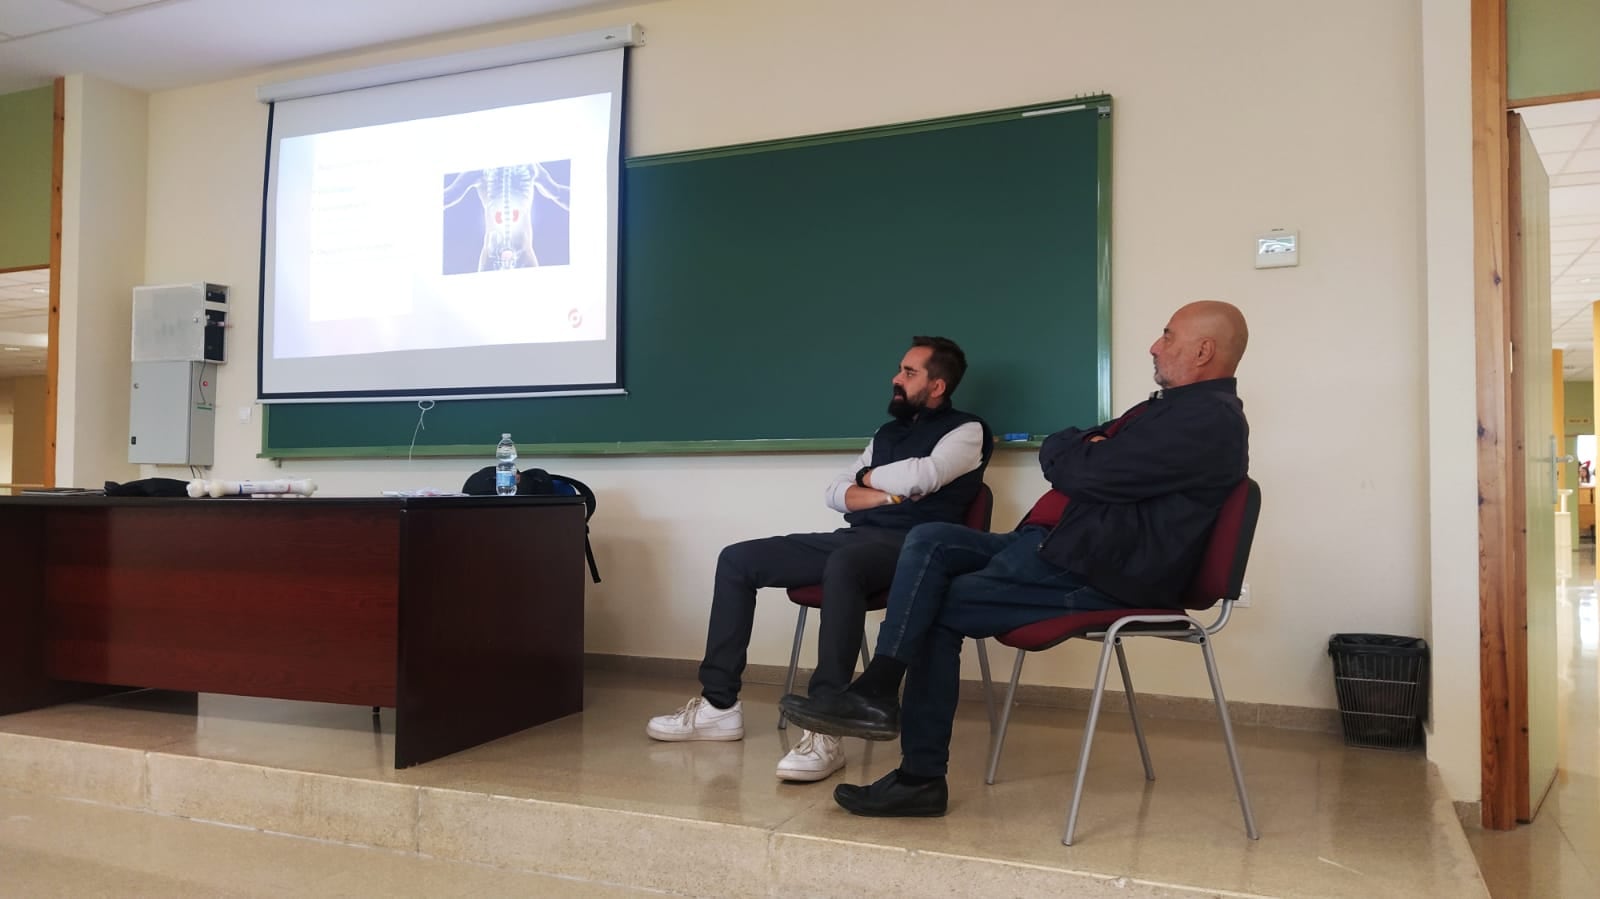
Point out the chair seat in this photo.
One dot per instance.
(810, 596)
(1051, 631)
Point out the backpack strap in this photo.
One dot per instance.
(583, 490)
(588, 551)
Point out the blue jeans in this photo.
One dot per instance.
(851, 564)
(951, 582)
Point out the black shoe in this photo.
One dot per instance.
(889, 798)
(845, 715)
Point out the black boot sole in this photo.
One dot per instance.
(867, 811)
(883, 813)
(835, 728)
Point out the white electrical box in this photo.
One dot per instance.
(172, 414)
(180, 322)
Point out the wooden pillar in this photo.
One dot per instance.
(52, 365)
(1499, 527)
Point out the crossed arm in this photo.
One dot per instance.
(956, 453)
(1168, 451)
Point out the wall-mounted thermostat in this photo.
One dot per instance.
(1278, 248)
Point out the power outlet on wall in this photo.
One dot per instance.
(1243, 602)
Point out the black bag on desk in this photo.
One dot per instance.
(148, 487)
(538, 482)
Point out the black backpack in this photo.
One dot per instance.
(538, 482)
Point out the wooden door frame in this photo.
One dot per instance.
(1502, 507)
(52, 357)
(1500, 513)
(1549, 99)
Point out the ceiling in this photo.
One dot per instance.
(1567, 136)
(24, 314)
(160, 44)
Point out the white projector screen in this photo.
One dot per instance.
(447, 237)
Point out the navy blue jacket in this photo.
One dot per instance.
(1142, 502)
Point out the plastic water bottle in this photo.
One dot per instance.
(505, 467)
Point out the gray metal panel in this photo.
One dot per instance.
(202, 413)
(171, 419)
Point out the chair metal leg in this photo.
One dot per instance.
(1227, 737)
(999, 740)
(794, 663)
(865, 659)
(1133, 709)
(988, 688)
(1088, 741)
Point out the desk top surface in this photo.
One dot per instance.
(430, 502)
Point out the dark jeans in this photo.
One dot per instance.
(851, 564)
(952, 581)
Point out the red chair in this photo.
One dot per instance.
(1221, 575)
(810, 597)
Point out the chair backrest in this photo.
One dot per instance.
(981, 509)
(1221, 572)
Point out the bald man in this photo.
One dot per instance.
(1124, 524)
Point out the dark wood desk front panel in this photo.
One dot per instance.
(464, 614)
(273, 598)
(23, 683)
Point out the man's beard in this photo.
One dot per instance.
(1160, 379)
(904, 407)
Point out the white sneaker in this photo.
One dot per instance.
(698, 720)
(813, 758)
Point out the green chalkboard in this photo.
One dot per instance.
(769, 290)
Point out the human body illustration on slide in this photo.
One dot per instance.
(525, 220)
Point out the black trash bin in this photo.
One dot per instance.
(1382, 681)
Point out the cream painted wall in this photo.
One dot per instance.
(27, 429)
(1231, 119)
(102, 259)
(1452, 473)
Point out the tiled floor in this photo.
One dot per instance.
(77, 850)
(1334, 821)
(1558, 855)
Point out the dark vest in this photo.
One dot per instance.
(899, 440)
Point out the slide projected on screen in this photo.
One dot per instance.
(430, 238)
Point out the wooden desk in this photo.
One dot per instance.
(463, 614)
